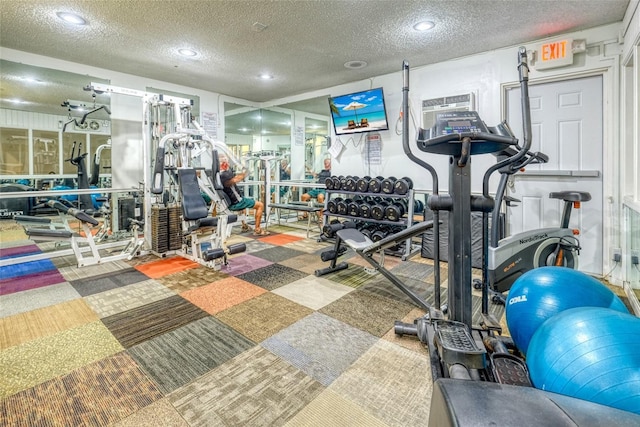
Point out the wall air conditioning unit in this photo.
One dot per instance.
(445, 104)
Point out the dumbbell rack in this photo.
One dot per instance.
(410, 248)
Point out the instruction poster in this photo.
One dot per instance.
(373, 149)
(210, 124)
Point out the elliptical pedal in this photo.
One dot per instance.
(509, 369)
(456, 345)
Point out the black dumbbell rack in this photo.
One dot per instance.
(405, 221)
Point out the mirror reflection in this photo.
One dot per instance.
(44, 113)
(290, 140)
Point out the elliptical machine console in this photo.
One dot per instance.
(453, 122)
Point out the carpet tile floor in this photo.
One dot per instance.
(168, 342)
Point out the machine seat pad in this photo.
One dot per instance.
(207, 222)
(193, 205)
(45, 232)
(571, 196)
(354, 238)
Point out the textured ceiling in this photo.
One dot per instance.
(305, 43)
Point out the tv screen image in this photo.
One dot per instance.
(359, 112)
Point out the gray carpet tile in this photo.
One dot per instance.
(320, 346)
(354, 276)
(380, 285)
(414, 270)
(313, 292)
(256, 388)
(331, 409)
(125, 298)
(134, 326)
(272, 276)
(257, 246)
(260, 317)
(73, 273)
(278, 253)
(33, 299)
(388, 376)
(104, 282)
(177, 357)
(367, 311)
(159, 413)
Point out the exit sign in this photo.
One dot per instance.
(554, 54)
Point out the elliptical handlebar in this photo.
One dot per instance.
(478, 136)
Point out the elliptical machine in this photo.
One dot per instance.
(460, 135)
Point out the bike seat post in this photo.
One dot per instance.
(566, 214)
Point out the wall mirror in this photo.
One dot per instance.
(295, 131)
(42, 131)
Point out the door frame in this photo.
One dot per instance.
(611, 215)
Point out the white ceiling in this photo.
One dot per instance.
(305, 43)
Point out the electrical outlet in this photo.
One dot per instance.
(616, 255)
(635, 257)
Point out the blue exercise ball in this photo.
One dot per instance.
(543, 292)
(591, 353)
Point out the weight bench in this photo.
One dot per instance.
(365, 247)
(66, 235)
(299, 207)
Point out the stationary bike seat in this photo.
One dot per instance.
(571, 196)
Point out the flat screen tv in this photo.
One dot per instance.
(359, 112)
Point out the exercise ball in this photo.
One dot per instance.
(543, 292)
(591, 353)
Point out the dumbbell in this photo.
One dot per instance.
(350, 183)
(335, 182)
(343, 182)
(387, 185)
(353, 208)
(363, 184)
(328, 183)
(375, 184)
(341, 206)
(368, 229)
(365, 208)
(378, 210)
(380, 233)
(402, 186)
(395, 210)
(332, 205)
(418, 206)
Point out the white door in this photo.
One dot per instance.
(567, 126)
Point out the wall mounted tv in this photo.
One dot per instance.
(359, 112)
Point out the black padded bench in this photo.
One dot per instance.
(48, 233)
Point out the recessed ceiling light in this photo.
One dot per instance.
(71, 18)
(265, 76)
(187, 52)
(424, 26)
(355, 65)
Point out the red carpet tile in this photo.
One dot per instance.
(280, 239)
(220, 295)
(165, 267)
